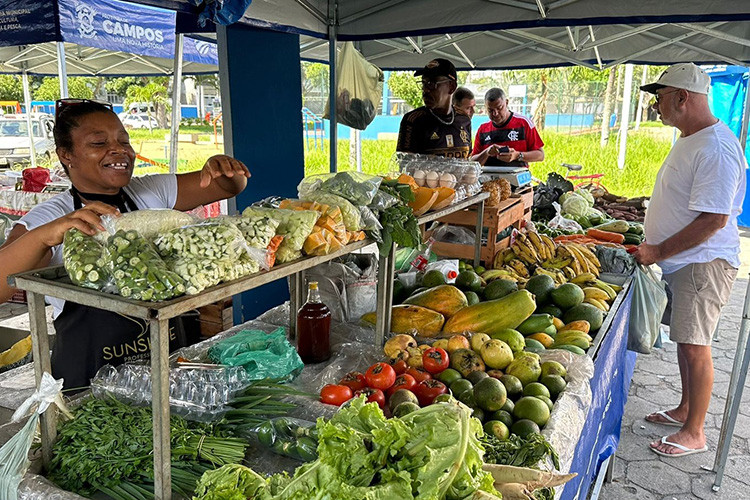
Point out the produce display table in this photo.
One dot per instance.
(613, 370)
(18, 203)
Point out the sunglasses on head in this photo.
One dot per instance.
(62, 104)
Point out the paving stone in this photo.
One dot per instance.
(657, 366)
(633, 447)
(730, 488)
(658, 476)
(737, 447)
(663, 397)
(625, 491)
(737, 467)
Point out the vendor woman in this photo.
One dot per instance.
(94, 149)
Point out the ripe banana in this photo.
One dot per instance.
(592, 292)
(494, 274)
(525, 252)
(579, 257)
(536, 241)
(609, 290)
(598, 304)
(557, 263)
(519, 267)
(587, 279)
(569, 272)
(550, 244)
(502, 257)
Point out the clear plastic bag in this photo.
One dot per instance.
(83, 258)
(428, 171)
(138, 271)
(149, 223)
(290, 437)
(454, 234)
(294, 225)
(263, 355)
(209, 240)
(370, 221)
(352, 217)
(560, 222)
(356, 187)
(359, 87)
(646, 310)
(257, 230)
(383, 200)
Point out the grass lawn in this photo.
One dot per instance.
(646, 152)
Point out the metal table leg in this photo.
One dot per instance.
(386, 270)
(42, 363)
(160, 409)
(478, 241)
(734, 393)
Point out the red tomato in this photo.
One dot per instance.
(354, 381)
(435, 360)
(375, 395)
(380, 376)
(399, 365)
(419, 375)
(428, 390)
(335, 394)
(404, 381)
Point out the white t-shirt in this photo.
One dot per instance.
(150, 191)
(704, 172)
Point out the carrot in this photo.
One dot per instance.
(606, 235)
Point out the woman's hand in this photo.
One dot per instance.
(223, 166)
(87, 219)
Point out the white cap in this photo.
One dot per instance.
(686, 76)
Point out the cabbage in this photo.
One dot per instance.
(586, 195)
(565, 196)
(575, 205)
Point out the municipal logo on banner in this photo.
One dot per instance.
(118, 26)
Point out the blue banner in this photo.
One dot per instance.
(118, 26)
(200, 51)
(25, 22)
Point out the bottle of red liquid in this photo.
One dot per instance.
(313, 327)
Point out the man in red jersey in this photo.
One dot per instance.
(508, 139)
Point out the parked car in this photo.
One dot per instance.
(140, 121)
(15, 147)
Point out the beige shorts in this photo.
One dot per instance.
(699, 291)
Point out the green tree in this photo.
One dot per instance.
(79, 87)
(10, 88)
(155, 94)
(119, 86)
(406, 87)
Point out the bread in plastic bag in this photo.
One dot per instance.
(83, 258)
(149, 223)
(137, 269)
(359, 88)
(356, 187)
(294, 225)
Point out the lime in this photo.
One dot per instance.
(513, 385)
(503, 416)
(433, 278)
(459, 386)
(524, 428)
(469, 280)
(536, 389)
(478, 413)
(448, 376)
(555, 383)
(444, 398)
(531, 408)
(490, 394)
(479, 269)
(547, 400)
(553, 368)
(475, 376)
(472, 298)
(508, 406)
(405, 408)
(498, 429)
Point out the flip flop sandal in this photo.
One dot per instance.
(685, 450)
(668, 420)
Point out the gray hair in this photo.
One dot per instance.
(494, 94)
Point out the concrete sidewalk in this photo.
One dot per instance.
(639, 473)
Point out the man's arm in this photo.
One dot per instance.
(701, 229)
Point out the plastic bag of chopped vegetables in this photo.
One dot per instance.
(83, 258)
(209, 240)
(149, 223)
(257, 230)
(356, 187)
(138, 271)
(294, 225)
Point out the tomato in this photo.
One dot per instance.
(335, 394)
(399, 365)
(419, 375)
(435, 360)
(428, 390)
(404, 381)
(375, 395)
(380, 376)
(354, 381)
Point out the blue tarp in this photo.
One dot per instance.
(727, 101)
(613, 370)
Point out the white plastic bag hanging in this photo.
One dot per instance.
(359, 87)
(14, 461)
(646, 310)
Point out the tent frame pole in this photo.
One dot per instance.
(625, 115)
(62, 70)
(332, 38)
(176, 100)
(27, 102)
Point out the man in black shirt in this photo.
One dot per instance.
(435, 128)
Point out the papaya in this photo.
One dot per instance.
(445, 197)
(536, 323)
(424, 198)
(445, 299)
(407, 318)
(493, 315)
(581, 325)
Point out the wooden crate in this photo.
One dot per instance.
(510, 212)
(216, 317)
(526, 195)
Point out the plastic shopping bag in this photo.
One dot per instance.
(646, 310)
(359, 87)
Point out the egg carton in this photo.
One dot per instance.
(435, 171)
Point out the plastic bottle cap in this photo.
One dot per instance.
(313, 285)
(451, 275)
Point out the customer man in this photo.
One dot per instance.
(691, 232)
(464, 102)
(436, 128)
(508, 139)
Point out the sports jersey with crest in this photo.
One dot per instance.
(423, 132)
(518, 132)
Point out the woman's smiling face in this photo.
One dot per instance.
(101, 159)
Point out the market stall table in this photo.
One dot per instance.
(18, 203)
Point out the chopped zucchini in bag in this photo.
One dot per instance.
(294, 225)
(257, 230)
(212, 240)
(137, 269)
(83, 258)
(149, 223)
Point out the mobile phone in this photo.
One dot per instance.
(503, 149)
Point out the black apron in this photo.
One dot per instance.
(88, 338)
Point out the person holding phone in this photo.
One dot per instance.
(508, 139)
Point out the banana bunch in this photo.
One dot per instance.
(573, 337)
(527, 248)
(557, 275)
(599, 294)
(583, 259)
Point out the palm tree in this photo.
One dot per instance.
(154, 94)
